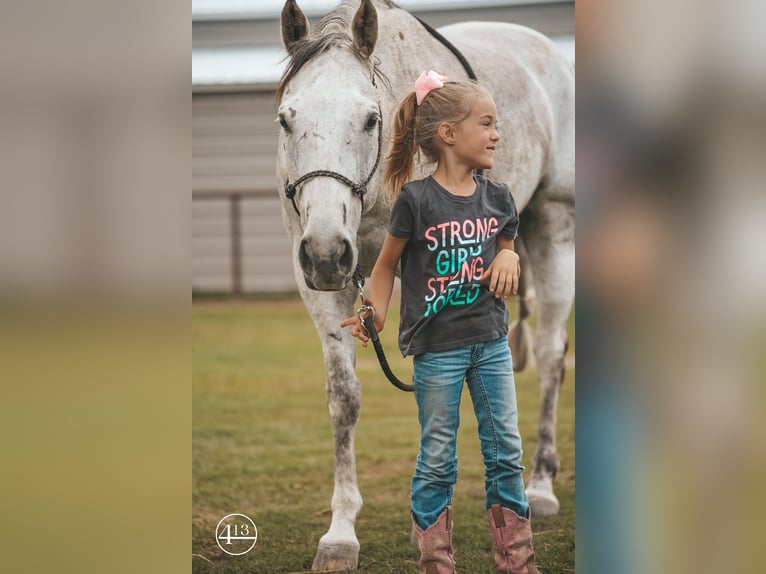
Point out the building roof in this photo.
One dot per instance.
(261, 67)
(245, 67)
(269, 9)
(232, 66)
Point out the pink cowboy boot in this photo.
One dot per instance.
(512, 539)
(435, 543)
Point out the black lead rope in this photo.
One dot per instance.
(366, 315)
(450, 46)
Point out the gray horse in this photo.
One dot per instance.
(335, 106)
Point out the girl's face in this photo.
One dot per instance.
(476, 136)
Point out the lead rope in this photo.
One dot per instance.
(366, 315)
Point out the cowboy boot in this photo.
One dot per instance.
(435, 543)
(512, 539)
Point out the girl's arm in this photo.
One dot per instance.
(503, 273)
(380, 286)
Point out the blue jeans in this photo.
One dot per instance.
(439, 378)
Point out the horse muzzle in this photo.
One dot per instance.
(327, 265)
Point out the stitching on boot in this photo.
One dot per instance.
(497, 514)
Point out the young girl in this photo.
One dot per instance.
(454, 234)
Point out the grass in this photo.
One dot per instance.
(262, 446)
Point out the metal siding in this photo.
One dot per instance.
(267, 257)
(210, 246)
(233, 142)
(234, 151)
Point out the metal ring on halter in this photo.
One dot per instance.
(362, 310)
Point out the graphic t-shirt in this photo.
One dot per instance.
(452, 241)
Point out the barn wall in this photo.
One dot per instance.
(235, 204)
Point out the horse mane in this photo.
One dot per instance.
(333, 30)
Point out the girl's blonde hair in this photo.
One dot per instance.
(416, 126)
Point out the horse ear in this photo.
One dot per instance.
(365, 28)
(295, 26)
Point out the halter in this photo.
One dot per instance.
(357, 189)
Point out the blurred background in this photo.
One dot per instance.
(670, 216)
(97, 250)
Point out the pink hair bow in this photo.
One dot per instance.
(426, 82)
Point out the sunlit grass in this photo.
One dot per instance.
(262, 446)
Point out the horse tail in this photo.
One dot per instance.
(400, 159)
(519, 334)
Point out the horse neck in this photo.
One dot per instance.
(405, 48)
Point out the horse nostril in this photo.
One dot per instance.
(347, 257)
(303, 255)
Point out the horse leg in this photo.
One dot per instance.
(339, 548)
(548, 228)
(519, 334)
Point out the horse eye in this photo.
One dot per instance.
(372, 121)
(283, 122)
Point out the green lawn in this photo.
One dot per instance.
(262, 446)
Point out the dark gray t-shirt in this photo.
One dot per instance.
(452, 240)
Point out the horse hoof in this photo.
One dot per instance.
(336, 557)
(542, 502)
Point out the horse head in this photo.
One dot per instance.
(330, 138)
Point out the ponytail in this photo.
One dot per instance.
(400, 159)
(416, 126)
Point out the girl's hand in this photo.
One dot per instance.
(503, 274)
(358, 330)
